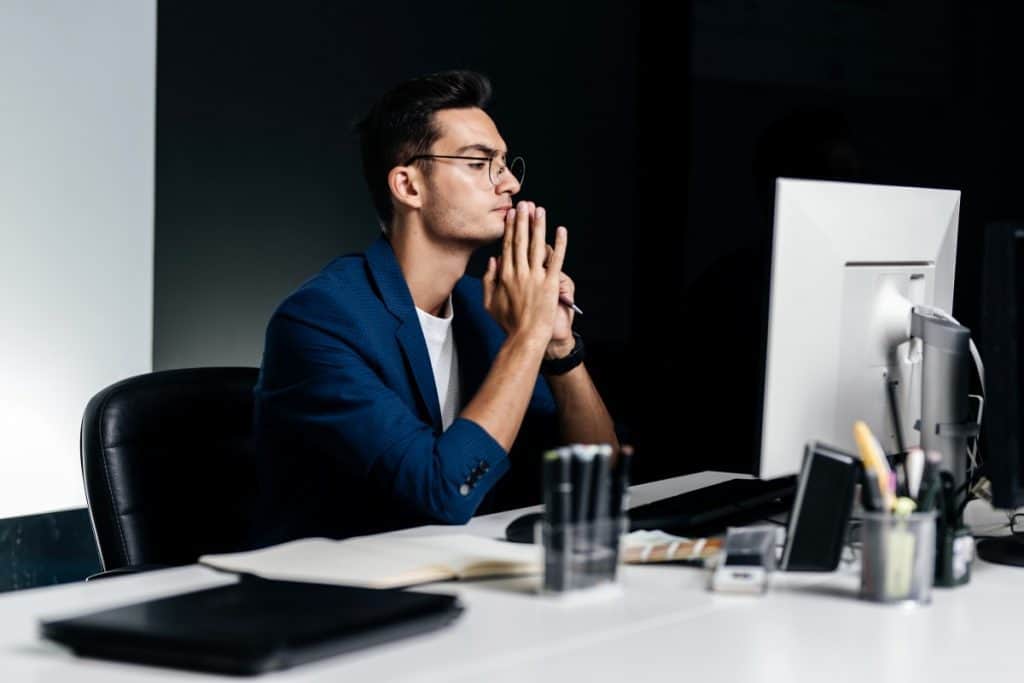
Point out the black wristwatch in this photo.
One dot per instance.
(560, 366)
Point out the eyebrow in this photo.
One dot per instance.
(490, 151)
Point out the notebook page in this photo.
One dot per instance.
(469, 555)
(380, 562)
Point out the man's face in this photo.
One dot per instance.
(460, 202)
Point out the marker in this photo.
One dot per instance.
(583, 457)
(557, 509)
(620, 481)
(602, 483)
(915, 470)
(605, 529)
(904, 506)
(557, 487)
(870, 494)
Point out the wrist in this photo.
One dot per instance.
(527, 343)
(559, 349)
(562, 365)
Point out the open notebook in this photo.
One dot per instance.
(384, 562)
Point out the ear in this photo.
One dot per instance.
(406, 183)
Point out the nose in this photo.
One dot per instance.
(507, 183)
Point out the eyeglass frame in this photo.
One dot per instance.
(489, 160)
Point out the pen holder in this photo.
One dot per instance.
(897, 557)
(581, 555)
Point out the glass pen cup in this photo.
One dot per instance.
(580, 555)
(897, 557)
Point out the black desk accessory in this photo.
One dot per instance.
(253, 626)
(824, 500)
(704, 512)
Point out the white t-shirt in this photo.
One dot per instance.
(444, 361)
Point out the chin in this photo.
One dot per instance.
(492, 233)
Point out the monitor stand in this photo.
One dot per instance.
(1008, 550)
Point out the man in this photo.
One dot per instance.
(393, 386)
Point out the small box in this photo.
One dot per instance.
(746, 561)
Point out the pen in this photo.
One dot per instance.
(929, 482)
(565, 300)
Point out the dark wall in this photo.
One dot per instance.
(258, 175)
(911, 93)
(656, 142)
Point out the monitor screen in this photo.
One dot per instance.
(849, 262)
(1000, 339)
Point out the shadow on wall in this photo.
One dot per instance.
(720, 358)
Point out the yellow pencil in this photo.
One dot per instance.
(874, 459)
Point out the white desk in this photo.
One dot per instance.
(665, 626)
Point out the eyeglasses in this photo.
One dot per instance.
(495, 168)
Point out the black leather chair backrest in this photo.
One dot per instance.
(170, 467)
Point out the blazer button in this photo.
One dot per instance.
(464, 489)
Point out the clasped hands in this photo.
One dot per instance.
(525, 289)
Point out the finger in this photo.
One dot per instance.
(537, 243)
(566, 286)
(507, 242)
(521, 239)
(558, 255)
(548, 251)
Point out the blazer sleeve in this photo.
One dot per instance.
(324, 389)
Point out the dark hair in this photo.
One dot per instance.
(400, 125)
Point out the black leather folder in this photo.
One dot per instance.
(252, 626)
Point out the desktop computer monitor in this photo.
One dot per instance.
(1001, 334)
(849, 262)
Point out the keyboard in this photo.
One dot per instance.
(704, 512)
(710, 510)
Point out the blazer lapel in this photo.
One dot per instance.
(395, 293)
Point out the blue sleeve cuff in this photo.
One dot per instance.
(480, 463)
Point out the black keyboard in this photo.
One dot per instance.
(710, 510)
(703, 512)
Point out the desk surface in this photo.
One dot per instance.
(664, 622)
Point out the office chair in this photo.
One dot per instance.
(169, 466)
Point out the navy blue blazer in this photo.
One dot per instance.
(347, 414)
